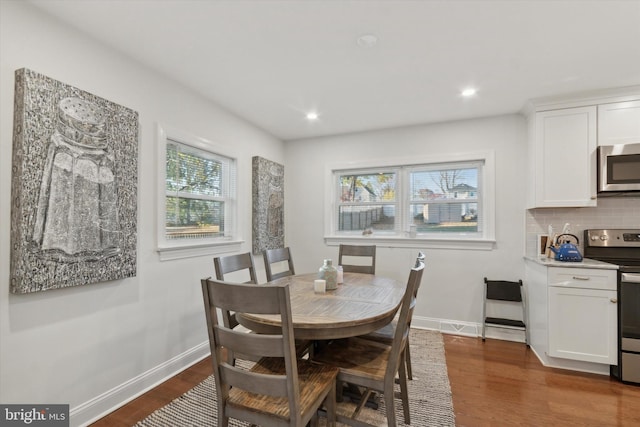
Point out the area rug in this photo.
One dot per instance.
(429, 395)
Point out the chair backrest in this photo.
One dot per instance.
(401, 334)
(273, 256)
(503, 290)
(232, 263)
(357, 251)
(245, 298)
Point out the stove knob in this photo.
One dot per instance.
(594, 238)
(604, 237)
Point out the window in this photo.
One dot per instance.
(435, 201)
(367, 199)
(197, 207)
(444, 198)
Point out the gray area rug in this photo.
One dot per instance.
(429, 394)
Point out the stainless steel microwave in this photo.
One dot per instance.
(618, 168)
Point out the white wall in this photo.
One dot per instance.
(94, 346)
(452, 284)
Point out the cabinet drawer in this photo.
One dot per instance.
(585, 278)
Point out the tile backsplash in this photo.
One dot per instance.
(611, 212)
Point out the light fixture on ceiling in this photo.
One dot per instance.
(367, 40)
(312, 116)
(468, 92)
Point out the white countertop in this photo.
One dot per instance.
(585, 263)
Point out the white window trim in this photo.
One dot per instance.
(170, 250)
(486, 242)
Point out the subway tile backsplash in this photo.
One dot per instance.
(611, 212)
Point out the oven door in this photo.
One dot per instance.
(630, 311)
(619, 167)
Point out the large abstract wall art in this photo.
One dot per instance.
(268, 205)
(74, 187)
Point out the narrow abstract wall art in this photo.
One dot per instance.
(268, 205)
(74, 187)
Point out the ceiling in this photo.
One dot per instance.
(270, 62)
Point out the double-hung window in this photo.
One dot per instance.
(449, 200)
(444, 199)
(197, 194)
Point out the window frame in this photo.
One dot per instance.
(482, 240)
(169, 249)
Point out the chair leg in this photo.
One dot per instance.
(404, 393)
(330, 403)
(407, 360)
(389, 403)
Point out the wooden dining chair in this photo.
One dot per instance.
(373, 365)
(385, 334)
(347, 251)
(244, 262)
(274, 256)
(279, 389)
(232, 264)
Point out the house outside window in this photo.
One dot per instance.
(197, 196)
(432, 201)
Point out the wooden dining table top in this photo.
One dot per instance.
(362, 304)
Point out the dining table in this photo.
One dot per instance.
(362, 304)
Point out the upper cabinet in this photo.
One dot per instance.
(564, 162)
(619, 123)
(563, 137)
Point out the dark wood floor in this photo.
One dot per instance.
(495, 383)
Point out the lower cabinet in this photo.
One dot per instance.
(573, 314)
(582, 324)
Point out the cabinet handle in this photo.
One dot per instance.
(581, 278)
(614, 300)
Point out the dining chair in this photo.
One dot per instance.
(347, 251)
(274, 256)
(244, 262)
(231, 264)
(374, 365)
(385, 334)
(279, 389)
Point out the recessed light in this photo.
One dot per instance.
(469, 92)
(367, 40)
(312, 115)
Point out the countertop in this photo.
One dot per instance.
(585, 263)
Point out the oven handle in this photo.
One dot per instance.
(630, 278)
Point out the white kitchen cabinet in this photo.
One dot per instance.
(619, 123)
(583, 314)
(573, 314)
(564, 158)
(582, 324)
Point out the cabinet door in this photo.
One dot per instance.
(582, 324)
(565, 147)
(619, 123)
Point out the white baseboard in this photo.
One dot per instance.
(96, 408)
(469, 329)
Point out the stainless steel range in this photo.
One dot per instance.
(622, 247)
